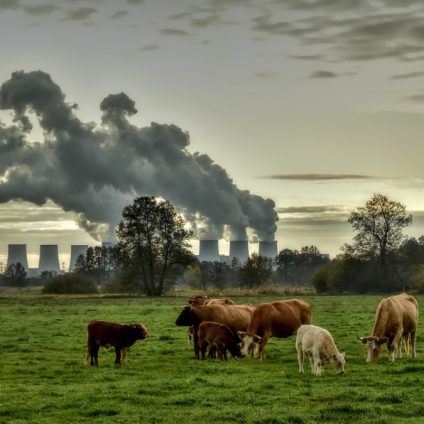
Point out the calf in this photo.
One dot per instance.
(120, 336)
(217, 336)
(318, 345)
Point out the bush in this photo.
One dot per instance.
(70, 284)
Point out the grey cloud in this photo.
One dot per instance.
(323, 74)
(43, 9)
(318, 177)
(149, 47)
(309, 209)
(419, 98)
(266, 74)
(9, 4)
(135, 2)
(95, 171)
(174, 31)
(80, 14)
(311, 57)
(408, 75)
(119, 14)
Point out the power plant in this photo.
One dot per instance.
(239, 249)
(76, 251)
(208, 252)
(17, 253)
(49, 258)
(268, 249)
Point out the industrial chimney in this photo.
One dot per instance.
(239, 249)
(268, 249)
(208, 251)
(76, 251)
(49, 258)
(17, 253)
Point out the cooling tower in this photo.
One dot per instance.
(17, 253)
(239, 249)
(268, 249)
(49, 258)
(76, 251)
(208, 251)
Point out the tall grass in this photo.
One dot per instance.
(44, 379)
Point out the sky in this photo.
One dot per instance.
(315, 105)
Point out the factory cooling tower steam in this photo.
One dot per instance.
(76, 251)
(17, 253)
(96, 170)
(208, 251)
(49, 258)
(268, 249)
(239, 249)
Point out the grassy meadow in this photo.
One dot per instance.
(43, 378)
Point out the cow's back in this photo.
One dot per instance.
(281, 318)
(236, 317)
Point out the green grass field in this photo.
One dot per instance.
(44, 379)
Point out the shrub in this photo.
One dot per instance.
(70, 284)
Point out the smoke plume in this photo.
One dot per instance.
(95, 171)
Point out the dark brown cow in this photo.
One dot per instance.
(120, 336)
(217, 336)
(276, 319)
(236, 317)
(396, 320)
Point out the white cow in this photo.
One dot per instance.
(318, 345)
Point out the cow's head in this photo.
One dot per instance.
(187, 317)
(139, 331)
(338, 361)
(373, 345)
(247, 342)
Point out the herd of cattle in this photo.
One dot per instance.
(220, 326)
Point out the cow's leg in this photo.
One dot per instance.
(195, 342)
(262, 344)
(300, 357)
(95, 354)
(394, 346)
(312, 363)
(202, 347)
(117, 355)
(413, 339)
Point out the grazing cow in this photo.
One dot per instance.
(318, 345)
(236, 317)
(120, 336)
(276, 319)
(218, 337)
(396, 320)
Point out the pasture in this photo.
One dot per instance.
(43, 378)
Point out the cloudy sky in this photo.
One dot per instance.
(313, 104)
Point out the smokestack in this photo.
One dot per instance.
(268, 249)
(239, 249)
(76, 250)
(49, 258)
(208, 251)
(17, 253)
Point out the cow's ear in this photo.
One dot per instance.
(382, 340)
(363, 340)
(257, 338)
(241, 334)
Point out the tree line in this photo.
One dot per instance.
(153, 254)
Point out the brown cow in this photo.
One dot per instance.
(237, 317)
(218, 337)
(120, 336)
(202, 301)
(276, 319)
(396, 320)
